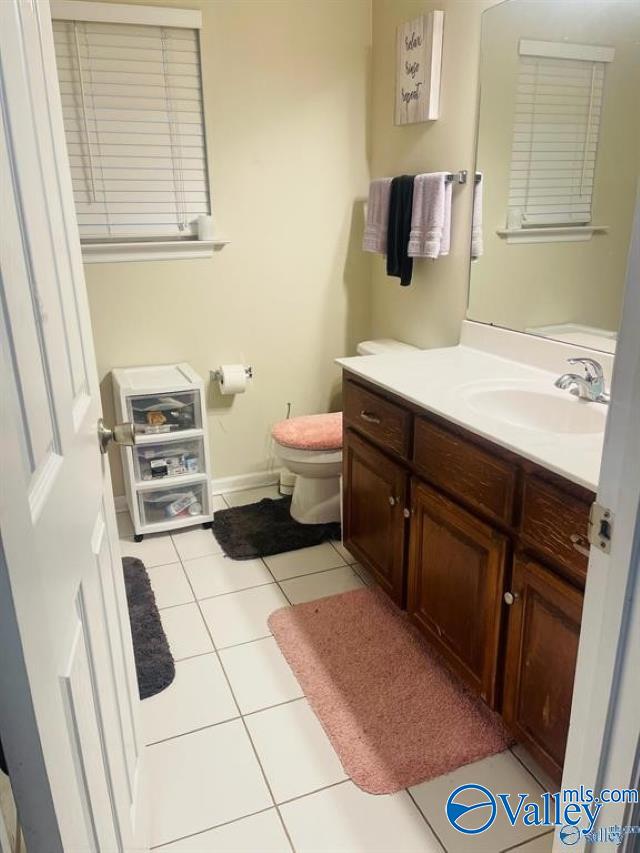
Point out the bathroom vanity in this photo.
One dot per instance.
(486, 549)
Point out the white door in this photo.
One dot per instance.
(69, 703)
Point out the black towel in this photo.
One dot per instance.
(399, 263)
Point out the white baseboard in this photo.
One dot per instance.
(221, 485)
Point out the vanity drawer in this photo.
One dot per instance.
(386, 423)
(464, 470)
(550, 518)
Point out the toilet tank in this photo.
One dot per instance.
(382, 345)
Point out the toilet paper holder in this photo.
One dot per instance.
(215, 375)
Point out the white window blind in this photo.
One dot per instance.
(132, 106)
(555, 134)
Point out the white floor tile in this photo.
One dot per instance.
(251, 496)
(186, 632)
(501, 774)
(344, 819)
(294, 751)
(534, 768)
(304, 561)
(242, 616)
(195, 542)
(198, 696)
(543, 844)
(217, 574)
(346, 555)
(218, 502)
(170, 585)
(156, 549)
(203, 779)
(321, 584)
(261, 832)
(259, 675)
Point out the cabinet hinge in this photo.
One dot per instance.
(600, 527)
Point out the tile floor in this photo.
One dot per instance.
(237, 759)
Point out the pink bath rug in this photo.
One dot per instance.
(394, 714)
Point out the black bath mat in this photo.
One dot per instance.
(265, 528)
(154, 662)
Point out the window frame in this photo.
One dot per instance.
(132, 249)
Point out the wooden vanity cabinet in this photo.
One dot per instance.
(435, 513)
(374, 500)
(456, 576)
(542, 647)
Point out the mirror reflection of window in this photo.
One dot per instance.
(559, 150)
(555, 133)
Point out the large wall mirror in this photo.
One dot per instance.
(558, 148)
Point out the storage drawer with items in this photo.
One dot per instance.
(167, 471)
(160, 414)
(168, 459)
(173, 503)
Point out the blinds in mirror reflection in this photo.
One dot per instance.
(133, 117)
(555, 137)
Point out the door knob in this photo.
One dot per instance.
(510, 597)
(120, 434)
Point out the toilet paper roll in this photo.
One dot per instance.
(233, 379)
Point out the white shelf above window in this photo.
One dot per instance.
(165, 250)
(551, 234)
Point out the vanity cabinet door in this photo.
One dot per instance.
(456, 575)
(542, 646)
(373, 512)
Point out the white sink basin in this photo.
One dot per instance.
(534, 408)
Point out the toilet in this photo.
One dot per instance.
(310, 447)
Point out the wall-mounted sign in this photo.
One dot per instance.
(419, 58)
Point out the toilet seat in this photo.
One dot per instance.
(310, 432)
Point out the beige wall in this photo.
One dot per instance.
(286, 93)
(579, 282)
(430, 311)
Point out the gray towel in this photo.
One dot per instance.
(375, 232)
(431, 217)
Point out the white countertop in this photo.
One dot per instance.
(436, 380)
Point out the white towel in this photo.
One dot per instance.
(430, 235)
(477, 243)
(375, 232)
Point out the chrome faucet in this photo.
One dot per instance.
(588, 387)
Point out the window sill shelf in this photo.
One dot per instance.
(552, 234)
(170, 250)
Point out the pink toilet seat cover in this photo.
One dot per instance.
(310, 432)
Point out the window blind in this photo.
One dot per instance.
(555, 133)
(133, 117)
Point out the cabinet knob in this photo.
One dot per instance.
(392, 501)
(369, 417)
(406, 512)
(510, 598)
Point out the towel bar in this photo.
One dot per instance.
(461, 177)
